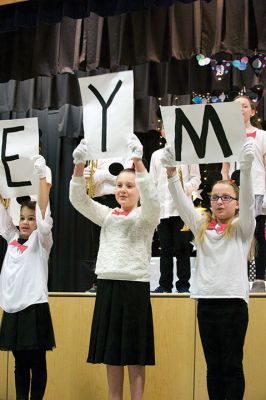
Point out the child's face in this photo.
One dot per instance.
(247, 111)
(27, 222)
(126, 192)
(224, 211)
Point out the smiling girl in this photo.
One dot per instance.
(122, 327)
(220, 283)
(26, 327)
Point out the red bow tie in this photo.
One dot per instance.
(218, 227)
(21, 247)
(118, 212)
(251, 134)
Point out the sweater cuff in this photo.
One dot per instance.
(140, 176)
(174, 178)
(78, 179)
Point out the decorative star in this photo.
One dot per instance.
(197, 194)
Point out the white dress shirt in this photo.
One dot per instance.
(191, 181)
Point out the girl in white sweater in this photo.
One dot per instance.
(122, 328)
(221, 283)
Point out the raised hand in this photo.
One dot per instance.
(80, 153)
(136, 147)
(247, 155)
(168, 157)
(39, 165)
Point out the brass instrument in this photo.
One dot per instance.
(5, 202)
(90, 185)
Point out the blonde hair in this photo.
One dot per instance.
(231, 225)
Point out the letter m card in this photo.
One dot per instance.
(211, 133)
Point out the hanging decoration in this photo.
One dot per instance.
(258, 62)
(208, 98)
(221, 68)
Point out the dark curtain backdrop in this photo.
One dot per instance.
(34, 12)
(156, 35)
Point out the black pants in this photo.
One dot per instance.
(110, 201)
(260, 257)
(30, 371)
(174, 243)
(223, 325)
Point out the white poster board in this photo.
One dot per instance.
(201, 134)
(107, 113)
(19, 140)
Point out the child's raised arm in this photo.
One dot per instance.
(44, 187)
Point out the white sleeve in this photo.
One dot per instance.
(184, 204)
(48, 175)
(84, 204)
(153, 170)
(194, 179)
(102, 173)
(7, 228)
(247, 220)
(150, 207)
(44, 226)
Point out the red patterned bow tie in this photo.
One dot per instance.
(21, 247)
(118, 212)
(251, 134)
(218, 227)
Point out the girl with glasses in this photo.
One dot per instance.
(220, 284)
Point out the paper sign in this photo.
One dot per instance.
(210, 133)
(19, 140)
(107, 113)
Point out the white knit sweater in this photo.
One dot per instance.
(125, 241)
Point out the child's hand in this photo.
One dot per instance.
(87, 172)
(167, 157)
(247, 155)
(80, 153)
(135, 147)
(39, 165)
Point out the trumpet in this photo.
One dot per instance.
(5, 202)
(90, 185)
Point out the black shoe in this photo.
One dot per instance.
(93, 289)
(160, 289)
(182, 289)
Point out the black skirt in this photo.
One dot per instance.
(122, 326)
(29, 329)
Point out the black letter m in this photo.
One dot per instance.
(199, 143)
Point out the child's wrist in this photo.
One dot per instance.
(171, 171)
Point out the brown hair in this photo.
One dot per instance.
(253, 106)
(127, 170)
(29, 204)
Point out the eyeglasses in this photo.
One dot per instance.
(226, 198)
